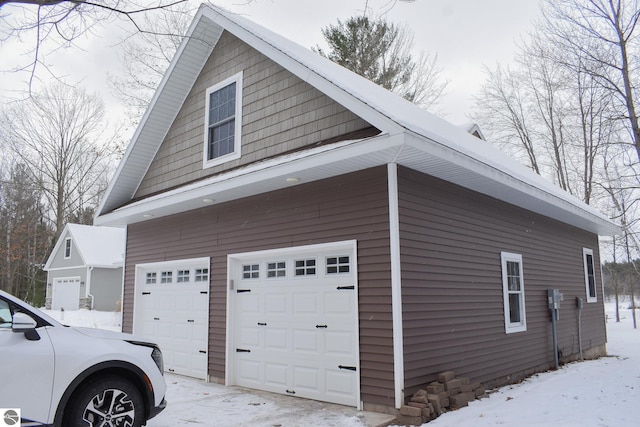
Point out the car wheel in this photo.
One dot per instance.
(108, 401)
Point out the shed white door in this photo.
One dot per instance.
(293, 322)
(172, 309)
(66, 293)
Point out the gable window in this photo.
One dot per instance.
(589, 275)
(515, 319)
(67, 248)
(223, 121)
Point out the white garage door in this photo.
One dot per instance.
(293, 322)
(172, 309)
(66, 293)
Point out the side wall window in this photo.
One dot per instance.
(67, 248)
(515, 319)
(589, 275)
(223, 121)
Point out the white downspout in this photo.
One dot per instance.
(396, 290)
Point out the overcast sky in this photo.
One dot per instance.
(465, 34)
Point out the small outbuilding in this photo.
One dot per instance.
(85, 268)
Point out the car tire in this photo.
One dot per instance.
(110, 399)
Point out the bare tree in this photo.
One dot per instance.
(59, 136)
(145, 57)
(604, 35)
(48, 25)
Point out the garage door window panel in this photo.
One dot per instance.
(338, 264)
(183, 276)
(276, 269)
(251, 271)
(202, 275)
(151, 278)
(166, 277)
(305, 267)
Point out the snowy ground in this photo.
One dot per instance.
(604, 392)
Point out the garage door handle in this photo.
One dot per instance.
(321, 326)
(343, 288)
(262, 324)
(146, 293)
(349, 368)
(203, 351)
(290, 391)
(243, 290)
(190, 321)
(242, 350)
(156, 318)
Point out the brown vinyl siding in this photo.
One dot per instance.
(451, 240)
(353, 206)
(280, 113)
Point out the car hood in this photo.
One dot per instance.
(105, 334)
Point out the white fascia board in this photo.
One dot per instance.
(269, 175)
(515, 185)
(197, 33)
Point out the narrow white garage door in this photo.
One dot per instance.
(66, 293)
(293, 322)
(172, 309)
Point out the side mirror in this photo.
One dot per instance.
(22, 322)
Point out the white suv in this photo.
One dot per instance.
(66, 377)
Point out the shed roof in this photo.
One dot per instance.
(97, 246)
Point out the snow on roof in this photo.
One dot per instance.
(98, 246)
(431, 144)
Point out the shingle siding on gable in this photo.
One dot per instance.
(451, 240)
(353, 206)
(280, 113)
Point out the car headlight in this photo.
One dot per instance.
(156, 355)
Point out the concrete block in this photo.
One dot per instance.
(419, 399)
(452, 384)
(410, 411)
(418, 405)
(446, 376)
(453, 391)
(465, 380)
(409, 421)
(467, 388)
(459, 401)
(436, 404)
(435, 388)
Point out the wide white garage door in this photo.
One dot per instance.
(172, 309)
(293, 322)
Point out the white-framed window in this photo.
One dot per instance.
(276, 269)
(305, 267)
(338, 264)
(166, 277)
(151, 278)
(589, 275)
(223, 121)
(202, 275)
(251, 271)
(67, 248)
(515, 319)
(183, 276)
